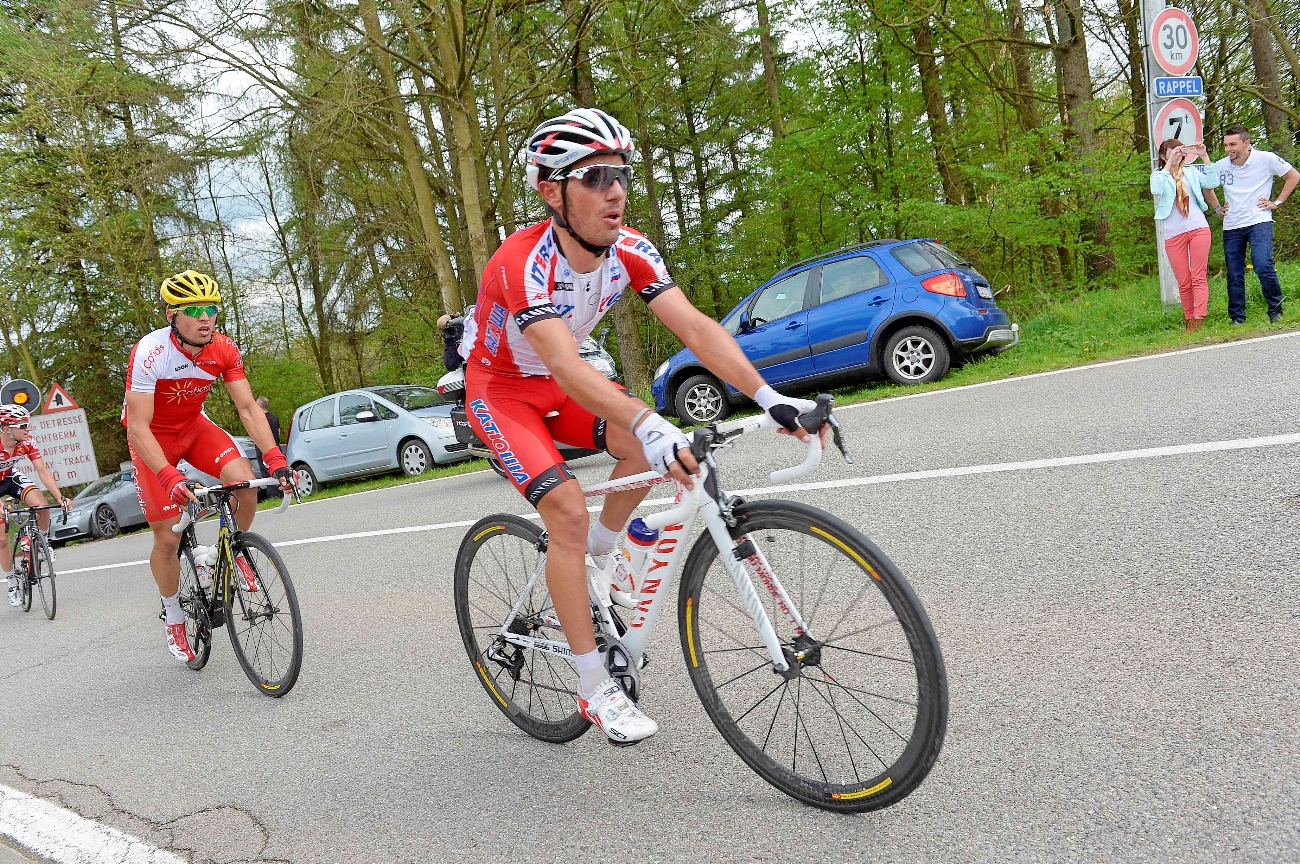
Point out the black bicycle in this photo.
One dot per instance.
(34, 559)
(246, 589)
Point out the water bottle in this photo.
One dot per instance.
(205, 559)
(640, 542)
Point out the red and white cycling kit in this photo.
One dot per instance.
(12, 481)
(511, 400)
(180, 384)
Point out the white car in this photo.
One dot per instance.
(374, 430)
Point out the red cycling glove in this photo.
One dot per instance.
(274, 460)
(173, 483)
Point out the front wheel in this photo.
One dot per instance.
(307, 482)
(858, 719)
(701, 399)
(43, 575)
(104, 524)
(415, 458)
(194, 599)
(264, 624)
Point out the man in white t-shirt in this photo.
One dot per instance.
(1246, 175)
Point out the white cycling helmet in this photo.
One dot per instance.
(12, 415)
(576, 135)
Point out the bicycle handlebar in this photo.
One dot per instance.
(262, 483)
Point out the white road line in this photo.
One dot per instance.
(60, 835)
(1016, 378)
(906, 477)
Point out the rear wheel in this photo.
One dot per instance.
(265, 626)
(194, 603)
(28, 578)
(537, 690)
(857, 723)
(496, 466)
(43, 576)
(916, 355)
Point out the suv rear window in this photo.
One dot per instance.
(918, 258)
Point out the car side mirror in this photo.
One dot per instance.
(366, 417)
(746, 324)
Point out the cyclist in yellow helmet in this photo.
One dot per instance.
(168, 378)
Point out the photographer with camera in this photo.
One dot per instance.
(1181, 191)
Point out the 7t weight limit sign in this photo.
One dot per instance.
(1179, 119)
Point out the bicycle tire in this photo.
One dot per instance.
(194, 601)
(243, 607)
(555, 699)
(28, 578)
(44, 578)
(823, 535)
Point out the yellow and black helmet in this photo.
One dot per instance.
(189, 287)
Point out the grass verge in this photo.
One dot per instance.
(384, 481)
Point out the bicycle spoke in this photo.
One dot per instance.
(906, 660)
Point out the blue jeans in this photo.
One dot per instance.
(1260, 238)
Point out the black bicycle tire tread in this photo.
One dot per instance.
(931, 725)
(201, 656)
(281, 688)
(52, 607)
(574, 726)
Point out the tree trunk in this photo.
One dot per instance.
(1264, 54)
(582, 86)
(945, 156)
(776, 118)
(1076, 81)
(1025, 101)
(506, 193)
(1131, 13)
(413, 160)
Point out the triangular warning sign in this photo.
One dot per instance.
(58, 400)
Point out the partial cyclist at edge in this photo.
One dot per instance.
(169, 374)
(542, 293)
(15, 444)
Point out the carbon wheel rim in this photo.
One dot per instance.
(106, 522)
(45, 585)
(913, 358)
(261, 621)
(413, 460)
(703, 402)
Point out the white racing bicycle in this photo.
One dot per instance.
(808, 649)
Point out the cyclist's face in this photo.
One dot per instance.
(596, 215)
(197, 330)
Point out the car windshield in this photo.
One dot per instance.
(410, 397)
(99, 487)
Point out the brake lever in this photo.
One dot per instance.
(838, 438)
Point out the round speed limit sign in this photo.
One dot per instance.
(1179, 119)
(1174, 41)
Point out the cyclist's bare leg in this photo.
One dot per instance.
(564, 513)
(36, 498)
(239, 471)
(6, 552)
(619, 506)
(163, 563)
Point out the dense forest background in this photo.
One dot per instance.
(346, 168)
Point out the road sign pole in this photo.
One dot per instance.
(1168, 282)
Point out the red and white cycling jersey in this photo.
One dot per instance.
(528, 280)
(179, 383)
(9, 458)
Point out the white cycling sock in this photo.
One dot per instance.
(172, 606)
(10, 578)
(601, 540)
(591, 671)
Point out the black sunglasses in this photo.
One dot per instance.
(599, 177)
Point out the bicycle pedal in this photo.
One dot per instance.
(622, 744)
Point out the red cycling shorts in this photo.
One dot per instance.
(517, 418)
(202, 443)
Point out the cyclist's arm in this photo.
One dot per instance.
(553, 341)
(46, 477)
(139, 414)
(715, 347)
(252, 415)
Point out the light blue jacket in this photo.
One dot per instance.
(1165, 189)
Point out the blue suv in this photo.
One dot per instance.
(899, 308)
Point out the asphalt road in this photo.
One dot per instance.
(1121, 641)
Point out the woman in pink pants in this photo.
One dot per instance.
(1181, 191)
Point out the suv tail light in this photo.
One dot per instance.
(945, 283)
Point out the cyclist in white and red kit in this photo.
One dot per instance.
(16, 444)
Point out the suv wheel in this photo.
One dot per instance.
(306, 480)
(701, 399)
(916, 355)
(415, 458)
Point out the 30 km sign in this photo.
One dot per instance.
(1179, 119)
(1174, 41)
(64, 442)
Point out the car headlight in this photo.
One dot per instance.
(442, 424)
(603, 366)
(74, 514)
(663, 367)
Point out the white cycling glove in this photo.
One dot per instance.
(785, 410)
(660, 440)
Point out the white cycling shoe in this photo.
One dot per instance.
(15, 595)
(612, 712)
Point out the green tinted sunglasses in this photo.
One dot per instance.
(196, 311)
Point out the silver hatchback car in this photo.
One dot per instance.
(374, 430)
